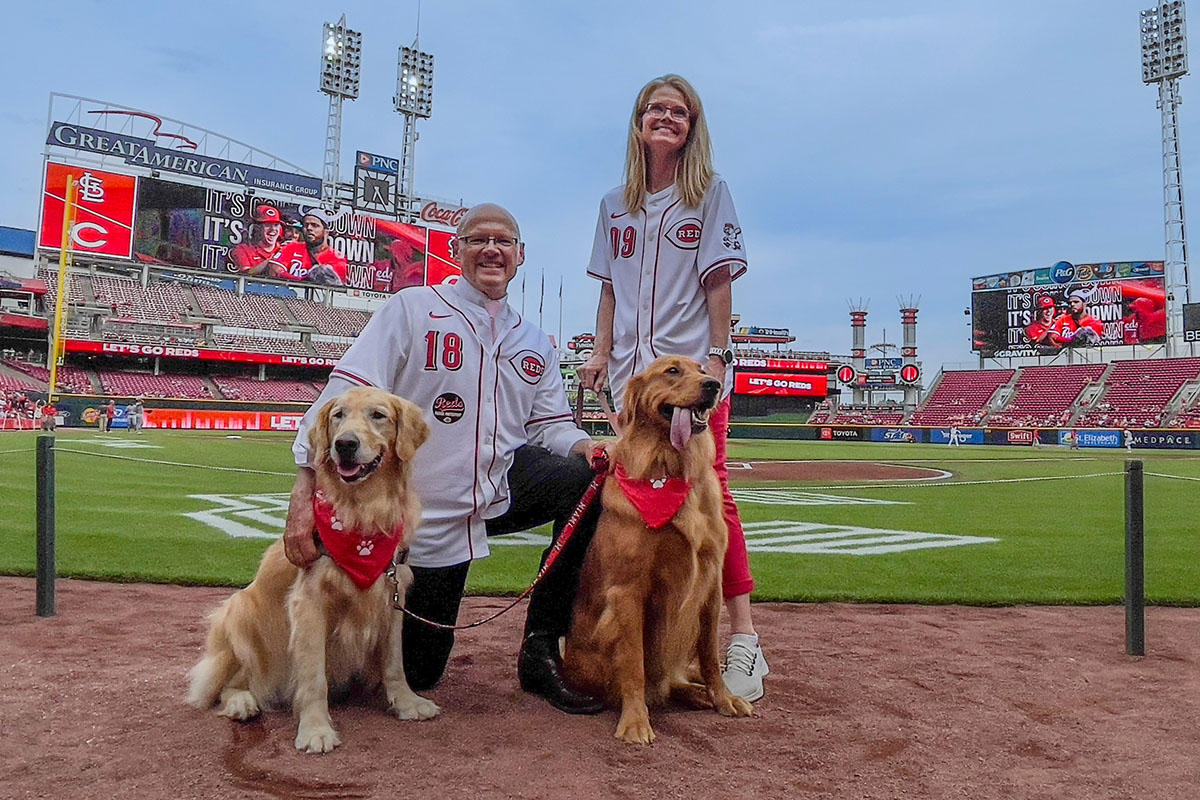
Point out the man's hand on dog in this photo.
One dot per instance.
(299, 544)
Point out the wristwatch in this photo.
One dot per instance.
(723, 353)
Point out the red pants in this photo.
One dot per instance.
(735, 579)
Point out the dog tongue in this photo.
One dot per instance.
(681, 427)
(348, 471)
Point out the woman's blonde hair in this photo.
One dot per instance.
(694, 173)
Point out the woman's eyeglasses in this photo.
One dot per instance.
(677, 113)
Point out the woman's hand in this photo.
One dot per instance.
(594, 373)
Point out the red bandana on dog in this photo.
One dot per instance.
(364, 558)
(656, 499)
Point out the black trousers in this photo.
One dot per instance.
(543, 488)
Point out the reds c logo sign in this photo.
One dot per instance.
(529, 365)
(686, 235)
(533, 367)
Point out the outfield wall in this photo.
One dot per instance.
(81, 411)
(1149, 438)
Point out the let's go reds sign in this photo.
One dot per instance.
(103, 214)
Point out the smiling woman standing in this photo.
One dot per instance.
(667, 249)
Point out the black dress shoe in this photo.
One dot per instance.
(540, 672)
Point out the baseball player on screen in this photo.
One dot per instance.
(1041, 331)
(313, 259)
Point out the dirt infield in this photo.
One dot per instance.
(864, 702)
(832, 471)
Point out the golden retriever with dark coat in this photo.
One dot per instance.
(292, 634)
(649, 600)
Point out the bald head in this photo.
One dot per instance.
(487, 212)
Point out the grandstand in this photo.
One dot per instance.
(961, 397)
(1138, 394)
(233, 388)
(136, 384)
(1045, 396)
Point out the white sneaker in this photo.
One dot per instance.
(745, 667)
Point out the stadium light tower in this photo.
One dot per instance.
(341, 60)
(413, 99)
(1164, 62)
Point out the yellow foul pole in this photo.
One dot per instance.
(60, 305)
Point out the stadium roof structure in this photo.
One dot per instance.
(16, 242)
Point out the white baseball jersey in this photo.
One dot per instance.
(483, 396)
(656, 260)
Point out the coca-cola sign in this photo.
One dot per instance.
(447, 215)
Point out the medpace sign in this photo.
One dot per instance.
(145, 153)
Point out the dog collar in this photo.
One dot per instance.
(658, 500)
(363, 557)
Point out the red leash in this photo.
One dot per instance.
(600, 467)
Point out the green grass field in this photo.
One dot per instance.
(1060, 540)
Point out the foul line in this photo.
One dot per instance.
(174, 463)
(806, 488)
(22, 450)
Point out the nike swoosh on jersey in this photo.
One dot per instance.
(439, 316)
(618, 216)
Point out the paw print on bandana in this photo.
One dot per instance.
(365, 546)
(335, 523)
(658, 483)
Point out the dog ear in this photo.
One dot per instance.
(411, 428)
(633, 399)
(318, 434)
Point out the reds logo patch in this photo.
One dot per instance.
(448, 408)
(529, 366)
(686, 235)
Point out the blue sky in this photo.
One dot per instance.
(874, 149)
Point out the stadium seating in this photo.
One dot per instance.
(259, 344)
(265, 391)
(244, 311)
(70, 379)
(1139, 392)
(329, 320)
(140, 384)
(16, 383)
(330, 349)
(859, 415)
(76, 294)
(1045, 395)
(961, 397)
(159, 301)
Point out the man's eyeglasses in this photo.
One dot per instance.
(677, 113)
(503, 242)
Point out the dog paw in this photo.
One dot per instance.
(692, 695)
(317, 739)
(735, 706)
(634, 729)
(239, 705)
(415, 707)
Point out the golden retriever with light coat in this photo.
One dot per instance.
(649, 600)
(293, 633)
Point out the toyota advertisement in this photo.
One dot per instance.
(1043, 311)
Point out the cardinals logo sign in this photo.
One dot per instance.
(104, 203)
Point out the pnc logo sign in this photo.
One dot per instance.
(378, 163)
